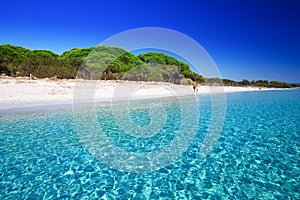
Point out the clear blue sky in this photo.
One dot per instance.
(258, 39)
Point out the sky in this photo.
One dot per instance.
(258, 39)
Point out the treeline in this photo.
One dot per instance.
(101, 62)
(258, 83)
(18, 61)
(109, 63)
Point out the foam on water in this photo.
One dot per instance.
(256, 156)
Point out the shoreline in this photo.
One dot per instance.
(22, 93)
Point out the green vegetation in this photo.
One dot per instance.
(109, 63)
(259, 83)
(295, 85)
(153, 58)
(76, 56)
(18, 61)
(11, 57)
(42, 64)
(155, 72)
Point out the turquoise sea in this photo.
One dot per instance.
(257, 155)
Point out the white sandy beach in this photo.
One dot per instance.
(22, 92)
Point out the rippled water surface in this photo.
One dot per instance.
(257, 154)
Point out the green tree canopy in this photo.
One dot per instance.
(160, 58)
(18, 61)
(278, 84)
(106, 62)
(76, 56)
(11, 57)
(152, 58)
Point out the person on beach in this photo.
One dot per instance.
(197, 87)
(194, 87)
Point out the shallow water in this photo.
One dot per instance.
(257, 155)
